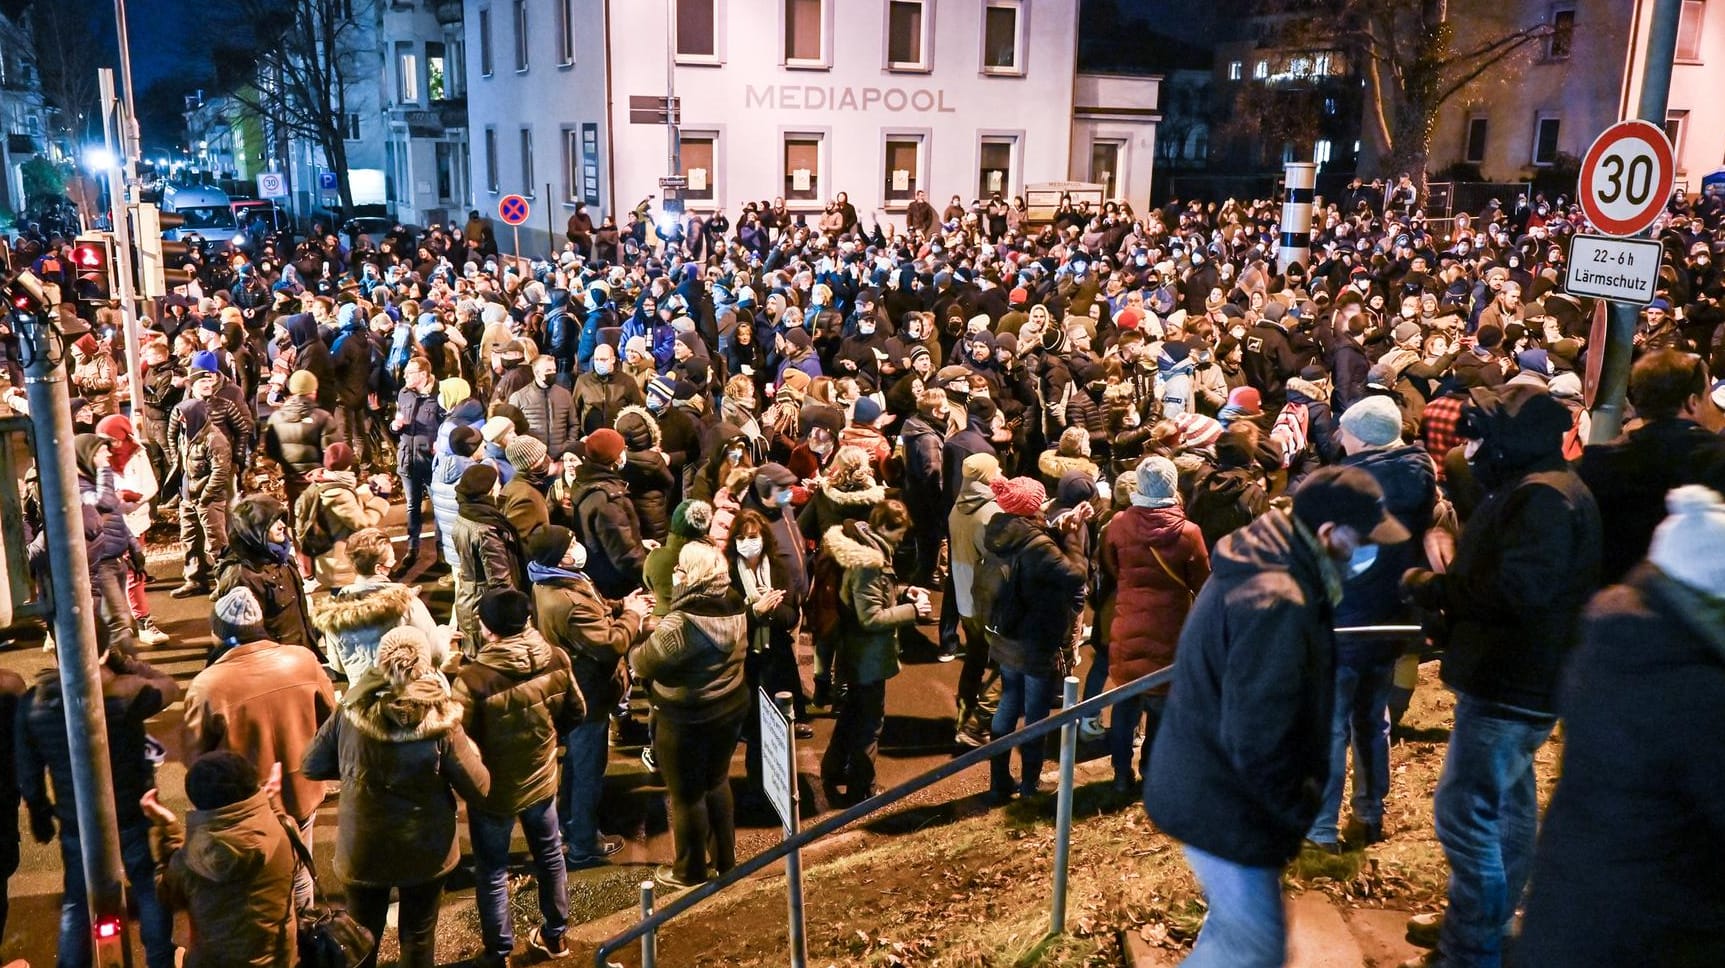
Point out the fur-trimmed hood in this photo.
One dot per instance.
(863, 497)
(1056, 466)
(423, 709)
(628, 423)
(386, 605)
(854, 547)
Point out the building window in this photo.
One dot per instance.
(565, 32)
(491, 160)
(802, 167)
(352, 127)
(1236, 70)
(995, 166)
(454, 68)
(406, 74)
(1689, 31)
(906, 35)
(697, 33)
(1321, 151)
(1261, 70)
(1105, 167)
(520, 36)
(699, 157)
(1562, 39)
(436, 75)
(805, 33)
(527, 162)
(1676, 122)
(571, 165)
(1476, 131)
(445, 171)
(1001, 49)
(1545, 141)
(903, 167)
(484, 43)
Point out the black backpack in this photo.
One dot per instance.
(310, 533)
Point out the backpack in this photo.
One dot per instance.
(825, 607)
(310, 532)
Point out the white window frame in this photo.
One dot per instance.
(407, 73)
(1698, 10)
(524, 142)
(1020, 52)
(1236, 70)
(1556, 148)
(823, 187)
(486, 66)
(1467, 139)
(716, 136)
(1261, 71)
(1557, 9)
(1015, 165)
(488, 147)
(1679, 117)
(523, 46)
(923, 137)
(1120, 145)
(571, 163)
(825, 62)
(565, 33)
(925, 44)
(717, 57)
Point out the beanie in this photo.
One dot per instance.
(1020, 496)
(452, 391)
(604, 446)
(798, 337)
(476, 481)
(637, 345)
(660, 391)
(1375, 420)
(546, 546)
(85, 344)
(1197, 430)
(866, 411)
(692, 519)
(1488, 336)
(525, 453)
(338, 457)
(238, 618)
(1536, 361)
(403, 655)
(1246, 399)
(203, 361)
(1157, 483)
(1687, 544)
(303, 383)
(1075, 488)
(496, 428)
(505, 612)
(464, 440)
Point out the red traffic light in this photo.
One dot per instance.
(90, 258)
(107, 928)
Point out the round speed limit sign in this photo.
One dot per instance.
(1627, 177)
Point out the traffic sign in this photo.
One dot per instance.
(674, 181)
(1627, 177)
(1621, 270)
(512, 209)
(272, 184)
(326, 181)
(778, 762)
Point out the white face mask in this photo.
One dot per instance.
(575, 558)
(749, 547)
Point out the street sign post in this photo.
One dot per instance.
(779, 776)
(1621, 270)
(513, 210)
(1626, 178)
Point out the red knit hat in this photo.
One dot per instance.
(604, 446)
(1129, 318)
(1021, 496)
(1197, 430)
(1019, 296)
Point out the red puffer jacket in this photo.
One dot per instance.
(1155, 560)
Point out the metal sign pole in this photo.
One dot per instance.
(793, 860)
(1063, 806)
(650, 940)
(114, 124)
(516, 231)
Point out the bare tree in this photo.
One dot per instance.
(65, 60)
(294, 64)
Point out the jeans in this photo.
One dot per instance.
(304, 888)
(695, 759)
(108, 580)
(416, 485)
(155, 924)
(1121, 727)
(1096, 678)
(1246, 927)
(849, 759)
(1486, 813)
(1362, 716)
(490, 833)
(1021, 694)
(416, 919)
(583, 786)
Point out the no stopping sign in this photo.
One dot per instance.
(1627, 177)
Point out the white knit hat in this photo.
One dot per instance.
(1689, 545)
(1375, 420)
(1158, 483)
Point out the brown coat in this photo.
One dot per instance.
(264, 701)
(231, 870)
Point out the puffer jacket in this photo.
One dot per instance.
(649, 477)
(608, 526)
(354, 618)
(346, 506)
(693, 662)
(402, 759)
(1086, 410)
(520, 696)
(967, 553)
(114, 538)
(231, 870)
(1153, 564)
(249, 561)
(1036, 611)
(922, 469)
(833, 505)
(867, 647)
(550, 413)
(487, 558)
(446, 472)
(297, 435)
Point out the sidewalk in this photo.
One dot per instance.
(1321, 934)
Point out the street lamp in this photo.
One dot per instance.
(99, 159)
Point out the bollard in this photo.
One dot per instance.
(650, 940)
(1063, 805)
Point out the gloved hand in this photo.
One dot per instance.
(1422, 587)
(42, 826)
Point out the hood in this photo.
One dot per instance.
(295, 409)
(1404, 472)
(1306, 391)
(1008, 534)
(859, 497)
(916, 426)
(84, 448)
(301, 328)
(249, 526)
(1231, 483)
(1162, 527)
(1056, 466)
(973, 496)
(225, 843)
(194, 417)
(854, 547)
(470, 412)
(385, 605)
(422, 709)
(639, 428)
(520, 655)
(1267, 544)
(1522, 428)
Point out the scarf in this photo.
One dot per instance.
(483, 510)
(537, 573)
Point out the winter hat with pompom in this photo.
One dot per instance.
(1020, 496)
(1689, 545)
(403, 655)
(238, 618)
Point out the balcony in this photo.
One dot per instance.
(448, 11)
(452, 112)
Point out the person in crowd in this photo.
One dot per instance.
(261, 558)
(298, 435)
(606, 520)
(519, 696)
(419, 415)
(523, 499)
(693, 666)
(336, 505)
(601, 393)
(108, 540)
(1244, 741)
(488, 553)
(229, 866)
(136, 488)
(12, 688)
(549, 407)
(976, 576)
(405, 764)
(205, 460)
(354, 619)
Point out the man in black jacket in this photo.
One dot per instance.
(1269, 358)
(605, 519)
(1243, 751)
(1526, 564)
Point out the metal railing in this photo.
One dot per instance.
(1066, 720)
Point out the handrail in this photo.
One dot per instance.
(1032, 733)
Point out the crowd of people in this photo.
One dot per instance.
(671, 461)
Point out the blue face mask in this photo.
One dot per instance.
(602, 367)
(783, 498)
(1363, 559)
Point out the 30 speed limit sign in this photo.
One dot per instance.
(1627, 177)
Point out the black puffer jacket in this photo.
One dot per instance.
(1036, 610)
(297, 435)
(647, 474)
(550, 413)
(249, 561)
(607, 525)
(1406, 474)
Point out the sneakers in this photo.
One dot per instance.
(667, 877)
(1423, 929)
(649, 760)
(603, 848)
(970, 737)
(191, 589)
(149, 634)
(553, 948)
(947, 655)
(1091, 728)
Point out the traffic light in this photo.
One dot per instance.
(93, 268)
(27, 298)
(161, 262)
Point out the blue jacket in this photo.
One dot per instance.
(421, 415)
(446, 472)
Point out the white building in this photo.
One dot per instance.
(794, 98)
(425, 112)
